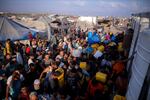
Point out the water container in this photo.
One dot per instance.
(95, 46)
(101, 77)
(83, 65)
(60, 76)
(119, 97)
(101, 48)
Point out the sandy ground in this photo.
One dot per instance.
(39, 25)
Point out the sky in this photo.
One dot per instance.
(77, 7)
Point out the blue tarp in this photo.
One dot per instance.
(10, 29)
(25, 35)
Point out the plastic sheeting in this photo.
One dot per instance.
(10, 29)
(140, 66)
(13, 30)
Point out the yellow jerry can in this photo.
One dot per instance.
(101, 77)
(83, 65)
(60, 76)
(95, 46)
(118, 97)
(101, 48)
(120, 48)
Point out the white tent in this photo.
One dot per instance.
(11, 29)
(91, 20)
(86, 22)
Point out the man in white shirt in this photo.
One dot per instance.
(14, 85)
(31, 59)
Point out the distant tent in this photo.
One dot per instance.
(12, 29)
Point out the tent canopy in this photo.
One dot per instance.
(12, 30)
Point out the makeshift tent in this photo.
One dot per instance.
(13, 30)
(10, 29)
(47, 21)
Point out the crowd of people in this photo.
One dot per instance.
(67, 67)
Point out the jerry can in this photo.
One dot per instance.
(83, 65)
(101, 48)
(101, 77)
(118, 97)
(120, 48)
(60, 76)
(95, 46)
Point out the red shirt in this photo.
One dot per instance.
(28, 50)
(92, 88)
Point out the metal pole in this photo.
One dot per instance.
(49, 32)
(149, 22)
